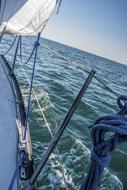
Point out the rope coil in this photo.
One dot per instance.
(100, 158)
(106, 133)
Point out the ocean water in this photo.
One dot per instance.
(56, 84)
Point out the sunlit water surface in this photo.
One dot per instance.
(56, 84)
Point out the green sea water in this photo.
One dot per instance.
(56, 84)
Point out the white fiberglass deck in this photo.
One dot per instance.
(8, 131)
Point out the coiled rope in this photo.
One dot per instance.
(98, 163)
(115, 126)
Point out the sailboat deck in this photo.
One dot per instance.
(8, 130)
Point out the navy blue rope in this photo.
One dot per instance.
(32, 52)
(15, 55)
(36, 44)
(116, 127)
(20, 49)
(18, 165)
(22, 151)
(13, 42)
(59, 5)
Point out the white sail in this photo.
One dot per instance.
(30, 19)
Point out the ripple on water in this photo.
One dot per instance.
(56, 84)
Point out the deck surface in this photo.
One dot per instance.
(8, 131)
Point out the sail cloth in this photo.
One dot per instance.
(30, 19)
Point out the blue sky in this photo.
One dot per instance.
(96, 26)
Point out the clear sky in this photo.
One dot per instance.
(96, 26)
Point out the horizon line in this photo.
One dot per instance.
(98, 55)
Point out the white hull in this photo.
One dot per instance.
(12, 110)
(8, 130)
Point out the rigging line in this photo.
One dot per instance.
(47, 125)
(60, 130)
(86, 71)
(36, 44)
(20, 52)
(20, 49)
(13, 42)
(20, 46)
(22, 151)
(59, 5)
(34, 93)
(15, 55)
